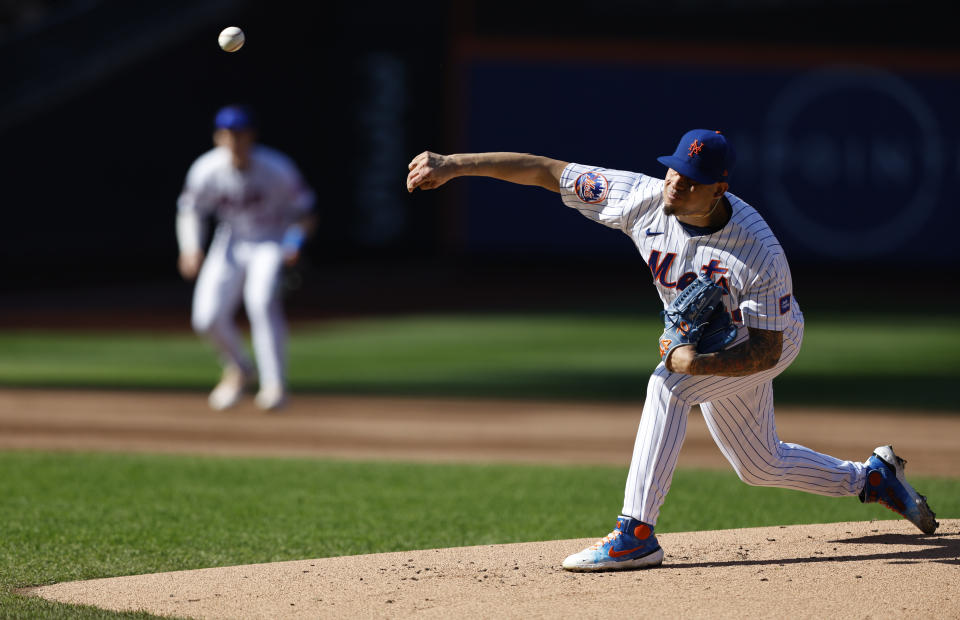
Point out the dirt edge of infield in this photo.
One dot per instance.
(812, 570)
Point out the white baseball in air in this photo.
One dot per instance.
(231, 39)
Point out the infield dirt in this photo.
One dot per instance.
(867, 569)
(433, 429)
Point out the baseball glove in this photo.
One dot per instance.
(698, 317)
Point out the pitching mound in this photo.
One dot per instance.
(883, 568)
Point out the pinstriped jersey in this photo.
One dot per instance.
(744, 257)
(257, 203)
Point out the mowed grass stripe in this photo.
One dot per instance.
(850, 361)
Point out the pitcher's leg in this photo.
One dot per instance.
(632, 543)
(744, 428)
(663, 426)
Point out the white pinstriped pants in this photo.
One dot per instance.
(250, 269)
(739, 415)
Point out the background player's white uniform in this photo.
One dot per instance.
(746, 258)
(255, 207)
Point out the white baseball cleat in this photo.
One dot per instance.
(228, 392)
(271, 397)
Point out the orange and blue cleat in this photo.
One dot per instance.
(887, 485)
(631, 545)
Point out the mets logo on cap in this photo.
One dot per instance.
(591, 187)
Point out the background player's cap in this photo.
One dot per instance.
(236, 117)
(703, 155)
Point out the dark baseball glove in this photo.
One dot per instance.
(698, 317)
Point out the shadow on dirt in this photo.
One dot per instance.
(940, 548)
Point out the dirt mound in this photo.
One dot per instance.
(883, 568)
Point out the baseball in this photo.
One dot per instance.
(231, 39)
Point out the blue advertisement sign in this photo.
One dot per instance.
(847, 162)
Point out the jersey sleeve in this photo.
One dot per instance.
(196, 197)
(613, 198)
(193, 205)
(768, 302)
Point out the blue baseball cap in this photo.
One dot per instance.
(235, 117)
(703, 155)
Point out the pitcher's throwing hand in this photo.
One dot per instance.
(429, 171)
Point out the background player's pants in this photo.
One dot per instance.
(739, 415)
(236, 267)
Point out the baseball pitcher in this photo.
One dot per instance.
(731, 324)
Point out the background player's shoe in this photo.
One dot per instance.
(271, 397)
(631, 545)
(887, 485)
(228, 392)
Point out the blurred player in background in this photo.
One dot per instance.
(264, 212)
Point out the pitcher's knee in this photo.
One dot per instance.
(678, 387)
(756, 478)
(665, 386)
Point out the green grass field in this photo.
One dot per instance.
(76, 516)
(82, 516)
(845, 361)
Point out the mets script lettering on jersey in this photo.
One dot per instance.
(592, 187)
(660, 269)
